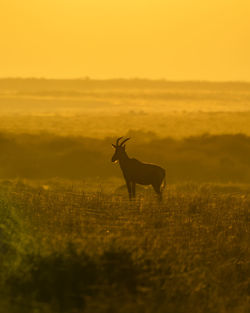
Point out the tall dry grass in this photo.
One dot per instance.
(69, 249)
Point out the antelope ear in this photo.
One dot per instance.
(113, 146)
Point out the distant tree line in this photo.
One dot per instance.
(221, 158)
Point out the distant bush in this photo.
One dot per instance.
(220, 158)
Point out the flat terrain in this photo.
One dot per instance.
(99, 109)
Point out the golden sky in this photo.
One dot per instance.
(171, 39)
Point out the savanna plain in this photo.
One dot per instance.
(71, 241)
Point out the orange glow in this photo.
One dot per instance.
(172, 39)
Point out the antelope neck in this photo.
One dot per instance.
(123, 159)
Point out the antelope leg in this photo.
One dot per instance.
(129, 189)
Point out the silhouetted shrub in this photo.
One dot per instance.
(65, 280)
(204, 158)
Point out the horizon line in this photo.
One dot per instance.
(88, 78)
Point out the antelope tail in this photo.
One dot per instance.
(163, 184)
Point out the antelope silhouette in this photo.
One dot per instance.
(136, 172)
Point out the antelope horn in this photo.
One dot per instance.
(123, 142)
(117, 141)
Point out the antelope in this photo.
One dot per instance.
(136, 172)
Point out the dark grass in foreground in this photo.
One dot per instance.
(68, 250)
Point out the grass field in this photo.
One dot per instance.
(71, 242)
(71, 248)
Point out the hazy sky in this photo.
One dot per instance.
(172, 39)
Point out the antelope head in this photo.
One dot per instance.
(119, 149)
